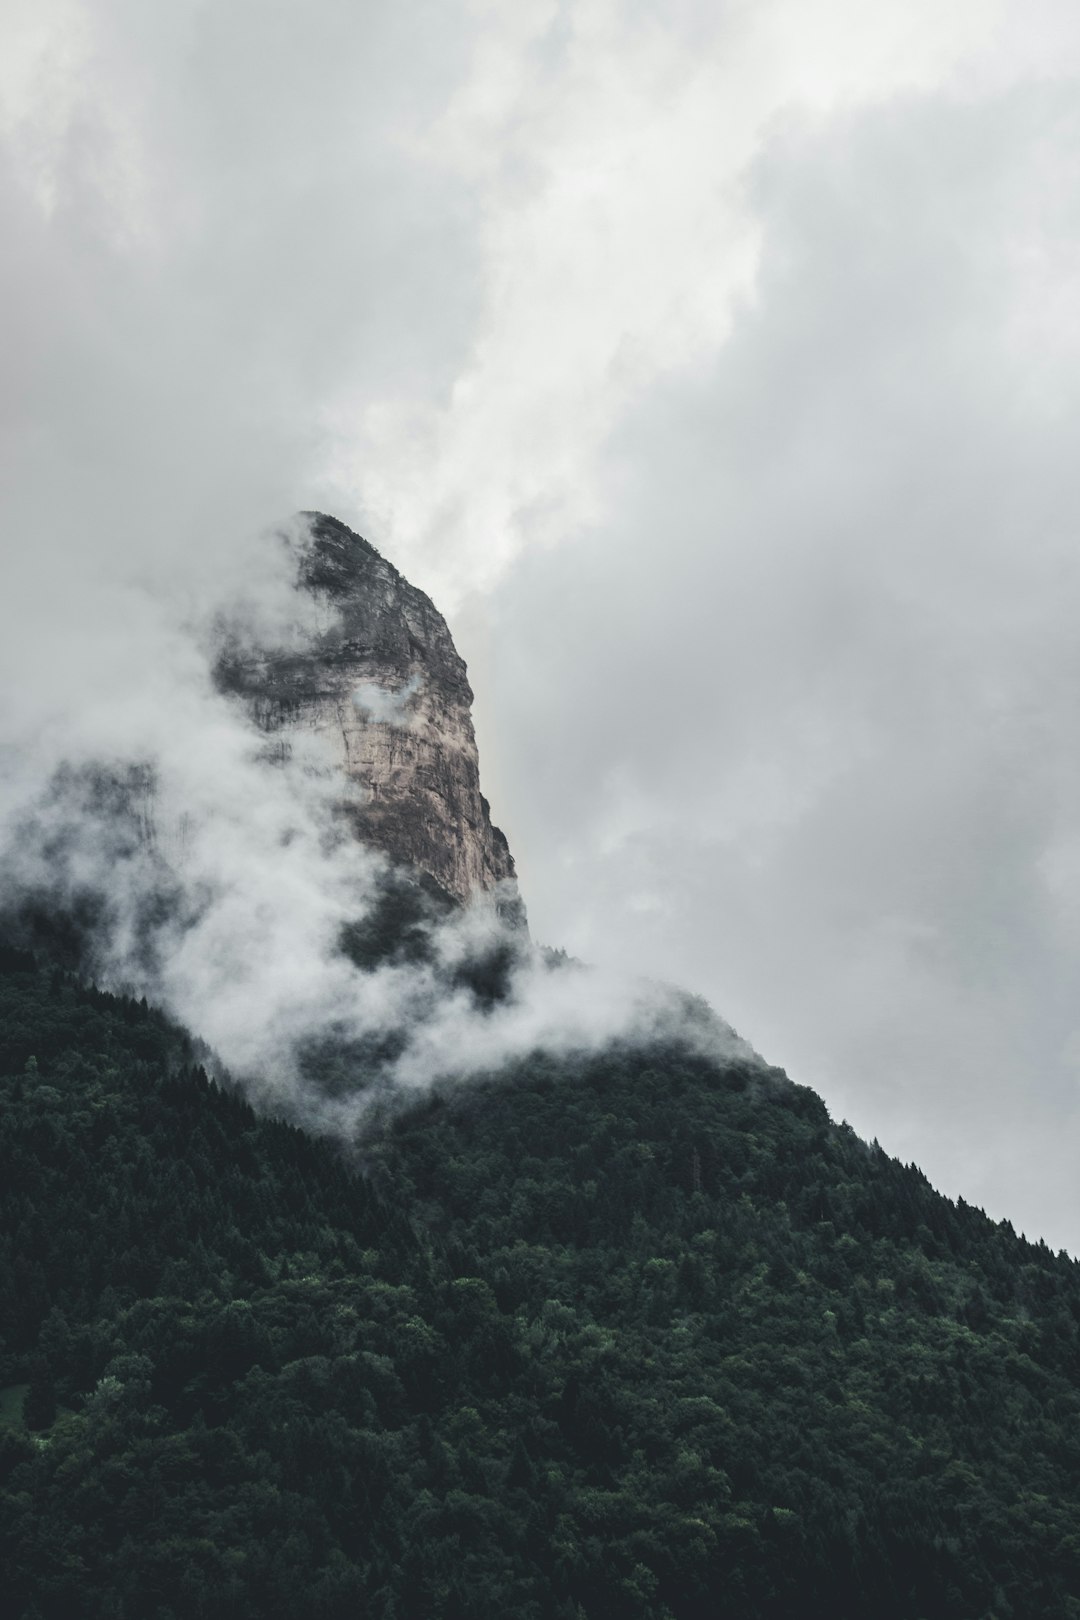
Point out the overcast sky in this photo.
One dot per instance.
(716, 368)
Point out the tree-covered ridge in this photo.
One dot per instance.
(635, 1336)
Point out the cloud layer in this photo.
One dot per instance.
(823, 771)
(716, 373)
(173, 854)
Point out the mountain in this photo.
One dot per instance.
(562, 1305)
(638, 1334)
(381, 680)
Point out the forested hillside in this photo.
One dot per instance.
(640, 1336)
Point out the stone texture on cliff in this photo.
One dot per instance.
(382, 681)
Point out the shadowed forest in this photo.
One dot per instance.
(643, 1335)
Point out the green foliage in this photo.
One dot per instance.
(638, 1336)
(13, 1405)
(396, 927)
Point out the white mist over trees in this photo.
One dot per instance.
(215, 875)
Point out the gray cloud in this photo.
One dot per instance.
(716, 372)
(805, 703)
(220, 230)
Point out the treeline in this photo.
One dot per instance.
(640, 1336)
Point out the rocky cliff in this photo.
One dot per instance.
(383, 683)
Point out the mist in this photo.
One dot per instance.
(173, 853)
(715, 373)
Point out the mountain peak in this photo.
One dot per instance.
(385, 686)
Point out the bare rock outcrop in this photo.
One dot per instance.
(383, 683)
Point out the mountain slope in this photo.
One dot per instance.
(641, 1335)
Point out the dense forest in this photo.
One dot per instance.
(635, 1336)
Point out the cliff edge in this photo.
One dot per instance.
(383, 683)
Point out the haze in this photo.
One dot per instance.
(716, 371)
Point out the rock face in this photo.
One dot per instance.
(384, 684)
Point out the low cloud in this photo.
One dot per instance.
(192, 866)
(386, 707)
